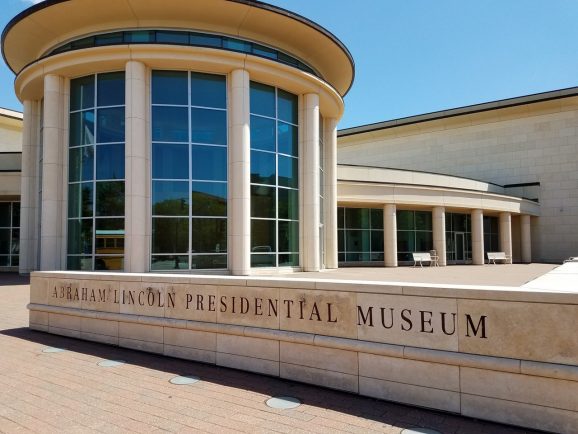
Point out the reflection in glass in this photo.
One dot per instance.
(81, 164)
(80, 236)
(288, 204)
(110, 125)
(263, 134)
(170, 235)
(262, 99)
(208, 262)
(263, 237)
(80, 200)
(288, 140)
(79, 263)
(209, 199)
(110, 198)
(208, 90)
(287, 106)
(208, 235)
(170, 124)
(168, 37)
(170, 87)
(171, 198)
(288, 236)
(82, 93)
(209, 163)
(262, 167)
(4, 241)
(170, 161)
(110, 161)
(81, 129)
(169, 262)
(111, 88)
(208, 126)
(288, 172)
(263, 201)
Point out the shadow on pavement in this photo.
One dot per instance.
(372, 409)
(12, 279)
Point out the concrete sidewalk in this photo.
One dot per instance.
(68, 392)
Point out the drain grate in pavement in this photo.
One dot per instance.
(50, 350)
(283, 402)
(110, 363)
(420, 431)
(183, 380)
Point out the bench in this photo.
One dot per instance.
(421, 257)
(498, 256)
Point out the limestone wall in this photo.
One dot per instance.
(530, 143)
(502, 354)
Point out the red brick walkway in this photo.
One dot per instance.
(68, 392)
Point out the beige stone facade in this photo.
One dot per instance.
(528, 145)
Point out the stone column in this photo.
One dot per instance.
(390, 235)
(29, 189)
(526, 238)
(51, 246)
(478, 237)
(310, 183)
(439, 233)
(136, 252)
(239, 208)
(506, 233)
(330, 191)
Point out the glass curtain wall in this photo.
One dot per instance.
(274, 177)
(414, 233)
(9, 234)
(458, 237)
(96, 172)
(189, 171)
(360, 234)
(491, 234)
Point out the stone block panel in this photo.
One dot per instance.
(320, 377)
(248, 347)
(327, 359)
(251, 364)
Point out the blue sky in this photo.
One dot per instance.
(418, 56)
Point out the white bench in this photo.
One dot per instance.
(421, 257)
(498, 256)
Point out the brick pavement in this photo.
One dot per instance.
(68, 393)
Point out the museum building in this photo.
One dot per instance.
(198, 137)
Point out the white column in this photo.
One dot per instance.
(390, 235)
(330, 191)
(310, 183)
(506, 233)
(478, 237)
(439, 233)
(51, 246)
(29, 189)
(239, 208)
(136, 252)
(526, 238)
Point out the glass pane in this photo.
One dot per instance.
(288, 204)
(110, 161)
(406, 241)
(168, 37)
(109, 236)
(377, 241)
(376, 219)
(208, 90)
(79, 263)
(357, 218)
(340, 217)
(82, 93)
(139, 36)
(263, 202)
(209, 199)
(262, 168)
(208, 235)
(110, 198)
(81, 164)
(486, 225)
(263, 134)
(81, 129)
(423, 220)
(4, 241)
(170, 124)
(109, 39)
(288, 140)
(358, 257)
(341, 257)
(170, 87)
(170, 263)
(288, 236)
(291, 260)
(209, 126)
(376, 257)
(15, 260)
(170, 235)
(170, 198)
(205, 40)
(287, 106)
(236, 45)
(80, 236)
(357, 241)
(83, 43)
(170, 161)
(208, 262)
(16, 214)
(262, 261)
(110, 125)
(111, 88)
(341, 241)
(423, 241)
(260, 50)
(288, 172)
(459, 222)
(405, 220)
(404, 257)
(4, 261)
(209, 163)
(80, 199)
(108, 263)
(262, 99)
(5, 212)
(263, 236)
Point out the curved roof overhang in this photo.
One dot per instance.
(42, 27)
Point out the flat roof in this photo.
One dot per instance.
(460, 111)
(13, 114)
(45, 25)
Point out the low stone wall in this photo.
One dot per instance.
(502, 354)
